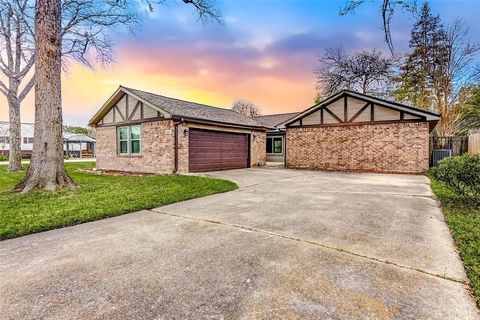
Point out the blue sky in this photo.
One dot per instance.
(266, 52)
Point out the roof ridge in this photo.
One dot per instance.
(276, 114)
(182, 100)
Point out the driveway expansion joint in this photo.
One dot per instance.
(310, 242)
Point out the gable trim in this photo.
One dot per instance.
(114, 98)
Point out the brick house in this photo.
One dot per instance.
(354, 132)
(143, 132)
(138, 131)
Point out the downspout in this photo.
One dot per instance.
(175, 167)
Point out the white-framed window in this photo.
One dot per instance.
(129, 140)
(275, 145)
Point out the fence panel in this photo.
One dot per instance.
(474, 143)
(458, 145)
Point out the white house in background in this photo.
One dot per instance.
(73, 143)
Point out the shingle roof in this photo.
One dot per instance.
(273, 119)
(192, 110)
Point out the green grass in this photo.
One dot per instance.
(464, 221)
(98, 197)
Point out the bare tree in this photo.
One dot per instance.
(17, 56)
(245, 107)
(366, 71)
(387, 10)
(47, 170)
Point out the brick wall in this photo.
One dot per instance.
(392, 147)
(258, 156)
(157, 149)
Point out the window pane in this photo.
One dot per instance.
(277, 145)
(135, 146)
(135, 132)
(123, 147)
(269, 145)
(123, 133)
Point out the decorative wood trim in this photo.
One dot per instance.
(402, 116)
(359, 112)
(126, 106)
(332, 114)
(141, 110)
(321, 115)
(301, 122)
(372, 112)
(345, 108)
(356, 123)
(134, 110)
(126, 123)
(114, 113)
(119, 113)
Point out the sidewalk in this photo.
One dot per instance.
(69, 160)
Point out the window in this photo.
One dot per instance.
(27, 140)
(275, 145)
(4, 139)
(129, 140)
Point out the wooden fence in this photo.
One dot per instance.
(458, 145)
(474, 142)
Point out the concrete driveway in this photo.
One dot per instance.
(288, 244)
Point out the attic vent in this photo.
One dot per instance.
(439, 154)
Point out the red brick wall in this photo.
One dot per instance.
(258, 147)
(392, 147)
(157, 149)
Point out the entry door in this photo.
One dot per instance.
(215, 150)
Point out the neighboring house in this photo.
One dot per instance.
(75, 142)
(144, 132)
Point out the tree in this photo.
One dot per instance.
(369, 72)
(470, 116)
(47, 170)
(75, 130)
(17, 56)
(438, 69)
(387, 10)
(83, 32)
(245, 107)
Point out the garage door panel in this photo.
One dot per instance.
(214, 150)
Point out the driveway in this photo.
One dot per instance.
(287, 244)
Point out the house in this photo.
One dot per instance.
(145, 132)
(73, 143)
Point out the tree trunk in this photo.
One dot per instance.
(47, 170)
(15, 136)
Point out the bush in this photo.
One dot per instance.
(3, 158)
(461, 174)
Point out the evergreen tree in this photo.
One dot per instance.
(425, 64)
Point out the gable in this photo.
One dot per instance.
(345, 109)
(127, 108)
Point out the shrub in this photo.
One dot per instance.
(3, 158)
(461, 174)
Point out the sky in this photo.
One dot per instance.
(266, 52)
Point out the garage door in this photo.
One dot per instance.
(213, 150)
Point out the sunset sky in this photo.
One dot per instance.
(265, 52)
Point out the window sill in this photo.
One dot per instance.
(275, 154)
(130, 155)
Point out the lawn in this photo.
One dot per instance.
(98, 197)
(464, 222)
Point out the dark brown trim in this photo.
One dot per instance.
(301, 122)
(249, 149)
(141, 110)
(134, 111)
(126, 107)
(175, 164)
(333, 115)
(372, 112)
(321, 115)
(359, 112)
(314, 108)
(402, 115)
(388, 107)
(113, 112)
(345, 111)
(218, 123)
(357, 123)
(120, 113)
(126, 123)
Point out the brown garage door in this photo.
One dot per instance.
(213, 150)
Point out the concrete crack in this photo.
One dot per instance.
(310, 242)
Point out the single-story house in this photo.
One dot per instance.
(139, 131)
(145, 132)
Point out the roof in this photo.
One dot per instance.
(183, 109)
(77, 137)
(272, 120)
(429, 115)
